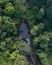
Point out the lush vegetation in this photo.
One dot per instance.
(38, 17)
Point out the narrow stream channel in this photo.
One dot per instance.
(24, 34)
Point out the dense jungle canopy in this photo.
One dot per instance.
(38, 17)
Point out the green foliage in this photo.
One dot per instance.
(7, 27)
(9, 9)
(36, 29)
(19, 8)
(49, 2)
(37, 2)
(48, 24)
(42, 46)
(21, 60)
(43, 39)
(38, 16)
(23, 48)
(44, 58)
(49, 12)
(4, 1)
(10, 49)
(40, 13)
